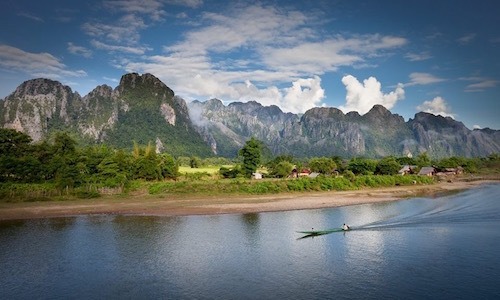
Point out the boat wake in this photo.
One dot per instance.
(472, 206)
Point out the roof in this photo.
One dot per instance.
(426, 171)
(313, 175)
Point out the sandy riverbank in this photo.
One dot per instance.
(175, 206)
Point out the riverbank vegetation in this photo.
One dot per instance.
(58, 170)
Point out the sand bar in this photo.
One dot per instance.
(195, 205)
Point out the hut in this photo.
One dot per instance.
(256, 175)
(407, 169)
(427, 171)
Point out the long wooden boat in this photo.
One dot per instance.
(320, 232)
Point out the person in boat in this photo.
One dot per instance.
(345, 227)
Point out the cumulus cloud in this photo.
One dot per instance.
(423, 79)
(282, 63)
(361, 97)
(436, 106)
(303, 95)
(35, 64)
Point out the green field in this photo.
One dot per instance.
(208, 169)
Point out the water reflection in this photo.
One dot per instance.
(417, 248)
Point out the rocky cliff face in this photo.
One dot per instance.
(443, 136)
(323, 131)
(143, 109)
(226, 128)
(38, 105)
(140, 109)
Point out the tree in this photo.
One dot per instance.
(168, 167)
(339, 162)
(423, 160)
(362, 166)
(64, 144)
(282, 169)
(194, 162)
(323, 165)
(230, 173)
(64, 163)
(281, 166)
(15, 162)
(251, 154)
(13, 142)
(388, 166)
(146, 163)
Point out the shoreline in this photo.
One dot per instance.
(164, 205)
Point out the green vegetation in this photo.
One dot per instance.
(252, 154)
(59, 170)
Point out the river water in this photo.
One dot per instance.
(447, 247)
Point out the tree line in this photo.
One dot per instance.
(61, 162)
(282, 166)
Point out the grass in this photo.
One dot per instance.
(207, 169)
(211, 185)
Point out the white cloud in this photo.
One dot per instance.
(124, 30)
(152, 8)
(110, 79)
(35, 64)
(30, 16)
(361, 97)
(418, 56)
(303, 95)
(188, 3)
(436, 106)
(423, 79)
(466, 39)
(476, 127)
(78, 50)
(114, 48)
(283, 57)
(480, 83)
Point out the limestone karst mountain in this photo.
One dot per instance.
(143, 109)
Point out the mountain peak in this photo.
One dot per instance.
(132, 80)
(431, 121)
(40, 86)
(379, 110)
(101, 91)
(142, 108)
(381, 115)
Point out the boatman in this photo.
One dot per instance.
(345, 227)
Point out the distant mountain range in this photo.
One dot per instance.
(143, 109)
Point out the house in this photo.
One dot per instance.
(304, 172)
(256, 175)
(427, 171)
(450, 171)
(313, 175)
(407, 169)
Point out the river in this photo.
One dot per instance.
(446, 247)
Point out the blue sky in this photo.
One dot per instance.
(436, 56)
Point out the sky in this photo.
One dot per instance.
(440, 57)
